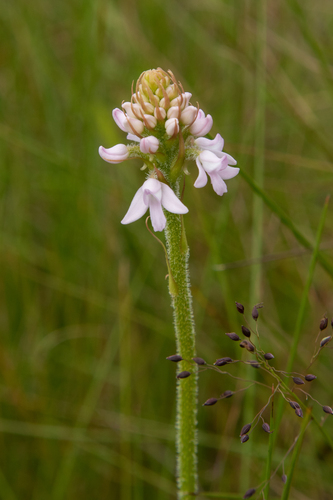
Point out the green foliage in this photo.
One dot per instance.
(87, 397)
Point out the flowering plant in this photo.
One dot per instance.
(164, 130)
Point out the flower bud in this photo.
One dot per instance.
(172, 126)
(328, 409)
(149, 121)
(245, 429)
(266, 428)
(268, 356)
(116, 154)
(233, 336)
(245, 438)
(298, 381)
(246, 331)
(159, 113)
(175, 358)
(310, 377)
(210, 402)
(188, 115)
(199, 361)
(323, 324)
(202, 124)
(182, 100)
(149, 144)
(183, 374)
(173, 112)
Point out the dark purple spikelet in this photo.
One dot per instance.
(332, 322)
(266, 428)
(254, 364)
(299, 412)
(199, 361)
(325, 340)
(246, 331)
(233, 336)
(240, 307)
(175, 357)
(183, 374)
(245, 438)
(247, 345)
(210, 402)
(268, 356)
(223, 361)
(255, 314)
(284, 478)
(328, 409)
(323, 324)
(298, 381)
(310, 377)
(249, 493)
(245, 429)
(227, 394)
(294, 404)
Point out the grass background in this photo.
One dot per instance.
(87, 398)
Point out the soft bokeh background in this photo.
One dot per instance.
(87, 397)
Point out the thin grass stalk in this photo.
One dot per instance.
(186, 418)
(294, 458)
(270, 450)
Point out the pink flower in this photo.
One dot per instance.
(116, 154)
(154, 194)
(216, 146)
(218, 170)
(202, 124)
(127, 123)
(149, 144)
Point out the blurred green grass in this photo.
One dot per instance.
(87, 398)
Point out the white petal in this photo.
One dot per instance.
(149, 144)
(171, 202)
(188, 115)
(172, 126)
(231, 160)
(214, 145)
(218, 184)
(201, 126)
(202, 177)
(157, 216)
(173, 112)
(116, 154)
(137, 208)
(210, 161)
(228, 173)
(132, 137)
(120, 119)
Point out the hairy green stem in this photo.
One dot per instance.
(186, 419)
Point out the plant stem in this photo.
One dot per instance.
(186, 418)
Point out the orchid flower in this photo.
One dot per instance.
(154, 195)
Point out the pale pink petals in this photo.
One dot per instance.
(202, 124)
(182, 100)
(154, 194)
(132, 137)
(188, 115)
(160, 113)
(116, 154)
(217, 168)
(120, 119)
(134, 125)
(173, 112)
(172, 126)
(201, 180)
(149, 144)
(150, 121)
(214, 145)
(127, 123)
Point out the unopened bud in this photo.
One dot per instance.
(233, 336)
(184, 374)
(245, 429)
(328, 409)
(172, 127)
(227, 394)
(222, 361)
(268, 356)
(249, 493)
(299, 412)
(266, 428)
(245, 438)
(323, 324)
(310, 377)
(298, 381)
(240, 307)
(210, 402)
(325, 340)
(199, 361)
(175, 358)
(246, 331)
(255, 313)
(284, 478)
(294, 404)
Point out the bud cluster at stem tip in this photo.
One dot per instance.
(164, 129)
